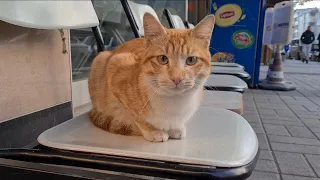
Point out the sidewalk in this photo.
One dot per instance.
(297, 67)
(287, 125)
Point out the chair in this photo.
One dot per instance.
(225, 83)
(43, 14)
(188, 25)
(224, 64)
(219, 150)
(226, 147)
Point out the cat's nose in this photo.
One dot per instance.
(176, 80)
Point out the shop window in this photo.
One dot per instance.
(115, 29)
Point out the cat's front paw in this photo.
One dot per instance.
(156, 136)
(177, 133)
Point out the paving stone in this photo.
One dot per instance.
(249, 106)
(296, 148)
(291, 177)
(293, 163)
(248, 100)
(279, 118)
(252, 118)
(306, 112)
(258, 130)
(300, 132)
(247, 94)
(274, 99)
(266, 165)
(297, 107)
(261, 100)
(294, 140)
(308, 116)
(300, 98)
(271, 106)
(254, 124)
(248, 113)
(269, 116)
(315, 129)
(312, 108)
(276, 130)
(285, 113)
(266, 155)
(267, 112)
(304, 103)
(257, 175)
(311, 122)
(287, 98)
(314, 161)
(263, 142)
(280, 122)
(257, 127)
(251, 113)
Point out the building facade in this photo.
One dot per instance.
(304, 18)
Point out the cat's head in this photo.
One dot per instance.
(177, 61)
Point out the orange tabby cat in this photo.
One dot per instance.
(151, 86)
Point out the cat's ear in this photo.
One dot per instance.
(152, 27)
(204, 28)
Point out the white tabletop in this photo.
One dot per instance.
(215, 137)
(222, 99)
(52, 14)
(228, 70)
(226, 64)
(226, 81)
(224, 68)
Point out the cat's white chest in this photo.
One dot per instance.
(173, 112)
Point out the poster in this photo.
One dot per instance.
(235, 35)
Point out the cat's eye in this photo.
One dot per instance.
(163, 60)
(191, 60)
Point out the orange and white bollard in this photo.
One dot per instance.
(275, 76)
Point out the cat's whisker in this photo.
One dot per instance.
(211, 87)
(211, 96)
(214, 49)
(150, 98)
(195, 87)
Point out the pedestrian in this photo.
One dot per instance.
(318, 59)
(307, 39)
(286, 50)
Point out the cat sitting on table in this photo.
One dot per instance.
(152, 86)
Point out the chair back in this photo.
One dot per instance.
(49, 14)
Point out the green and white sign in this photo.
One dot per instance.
(242, 39)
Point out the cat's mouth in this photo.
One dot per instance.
(176, 89)
(169, 89)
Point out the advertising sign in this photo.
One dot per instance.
(235, 36)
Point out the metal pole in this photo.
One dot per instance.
(130, 17)
(99, 38)
(168, 15)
